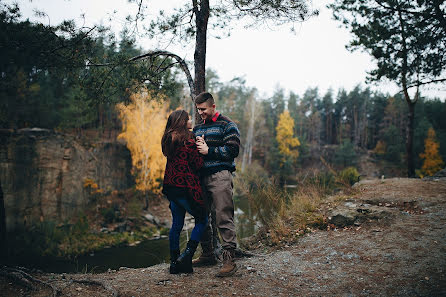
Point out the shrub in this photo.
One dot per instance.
(349, 175)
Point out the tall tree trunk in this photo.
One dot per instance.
(356, 127)
(409, 141)
(247, 152)
(411, 104)
(3, 242)
(201, 11)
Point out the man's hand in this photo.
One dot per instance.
(199, 139)
(201, 145)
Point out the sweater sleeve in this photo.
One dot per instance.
(231, 145)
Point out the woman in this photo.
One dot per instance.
(182, 187)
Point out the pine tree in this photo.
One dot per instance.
(432, 159)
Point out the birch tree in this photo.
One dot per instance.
(251, 113)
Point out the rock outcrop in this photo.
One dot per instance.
(42, 174)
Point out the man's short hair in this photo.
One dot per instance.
(204, 97)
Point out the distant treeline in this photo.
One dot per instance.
(350, 119)
(65, 77)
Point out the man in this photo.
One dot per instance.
(218, 140)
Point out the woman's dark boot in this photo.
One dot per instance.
(184, 262)
(174, 254)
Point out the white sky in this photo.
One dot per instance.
(315, 56)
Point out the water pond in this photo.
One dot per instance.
(147, 253)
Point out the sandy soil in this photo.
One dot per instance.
(401, 255)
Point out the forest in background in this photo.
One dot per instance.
(67, 78)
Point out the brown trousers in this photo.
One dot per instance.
(217, 189)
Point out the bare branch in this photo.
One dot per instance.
(182, 63)
(434, 81)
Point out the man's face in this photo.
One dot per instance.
(206, 110)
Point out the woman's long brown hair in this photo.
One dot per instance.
(176, 132)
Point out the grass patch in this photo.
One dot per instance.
(284, 215)
(288, 214)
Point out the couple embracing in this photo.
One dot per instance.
(198, 179)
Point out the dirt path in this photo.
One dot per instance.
(403, 254)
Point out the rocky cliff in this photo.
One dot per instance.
(42, 174)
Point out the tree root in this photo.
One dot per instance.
(19, 276)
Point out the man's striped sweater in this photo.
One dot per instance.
(223, 139)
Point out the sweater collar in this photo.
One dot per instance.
(214, 118)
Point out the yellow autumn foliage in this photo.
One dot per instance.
(92, 186)
(284, 136)
(432, 158)
(380, 148)
(144, 121)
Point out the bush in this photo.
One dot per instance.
(109, 215)
(349, 175)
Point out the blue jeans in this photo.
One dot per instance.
(178, 209)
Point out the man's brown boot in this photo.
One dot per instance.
(207, 257)
(205, 260)
(229, 267)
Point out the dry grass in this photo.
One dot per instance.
(287, 214)
(284, 215)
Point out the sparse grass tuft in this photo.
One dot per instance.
(287, 215)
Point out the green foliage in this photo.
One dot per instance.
(349, 175)
(68, 77)
(345, 155)
(179, 27)
(324, 180)
(109, 215)
(420, 134)
(407, 38)
(395, 145)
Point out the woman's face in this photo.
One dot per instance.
(189, 124)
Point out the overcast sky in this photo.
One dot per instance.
(314, 56)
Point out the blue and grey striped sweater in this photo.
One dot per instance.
(223, 140)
